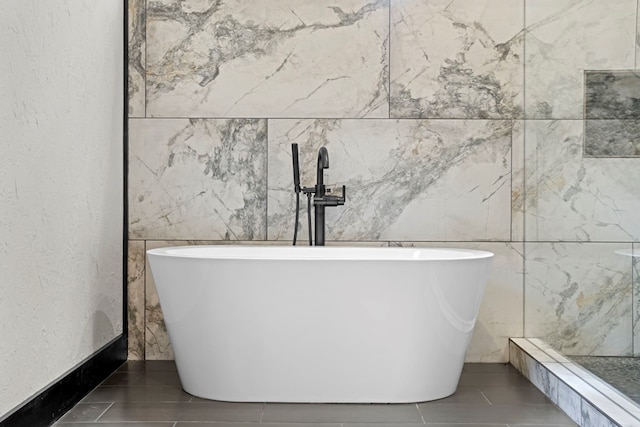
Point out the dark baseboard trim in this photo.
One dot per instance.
(54, 401)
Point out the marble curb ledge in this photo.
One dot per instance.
(583, 397)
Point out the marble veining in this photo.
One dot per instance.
(578, 297)
(518, 181)
(569, 401)
(405, 179)
(572, 198)
(533, 370)
(157, 343)
(457, 59)
(136, 48)
(544, 380)
(565, 37)
(518, 358)
(197, 178)
(136, 299)
(233, 59)
(593, 417)
(635, 273)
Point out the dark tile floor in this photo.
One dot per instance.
(148, 394)
(622, 373)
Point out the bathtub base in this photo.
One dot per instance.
(386, 363)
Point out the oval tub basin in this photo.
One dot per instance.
(319, 324)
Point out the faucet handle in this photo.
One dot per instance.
(329, 199)
(343, 198)
(340, 198)
(332, 191)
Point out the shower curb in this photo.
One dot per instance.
(584, 397)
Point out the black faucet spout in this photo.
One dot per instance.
(323, 163)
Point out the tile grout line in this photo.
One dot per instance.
(264, 406)
(104, 412)
(420, 412)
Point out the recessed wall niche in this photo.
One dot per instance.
(612, 114)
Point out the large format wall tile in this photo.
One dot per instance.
(637, 62)
(518, 192)
(566, 37)
(501, 313)
(572, 198)
(291, 58)
(635, 272)
(136, 75)
(456, 59)
(135, 299)
(578, 297)
(197, 179)
(157, 342)
(406, 179)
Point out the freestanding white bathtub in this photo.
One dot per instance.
(319, 324)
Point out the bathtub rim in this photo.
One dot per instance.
(319, 253)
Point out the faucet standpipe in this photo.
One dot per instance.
(321, 194)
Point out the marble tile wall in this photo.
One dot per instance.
(457, 59)
(635, 283)
(575, 198)
(579, 297)
(137, 55)
(452, 123)
(197, 178)
(234, 59)
(406, 179)
(563, 39)
(136, 287)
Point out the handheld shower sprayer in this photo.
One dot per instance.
(296, 186)
(296, 168)
(298, 189)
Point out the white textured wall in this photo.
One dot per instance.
(60, 188)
